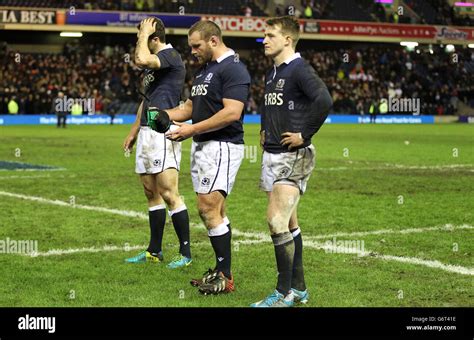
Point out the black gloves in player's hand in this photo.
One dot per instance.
(158, 120)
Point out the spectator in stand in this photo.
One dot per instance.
(13, 106)
(246, 11)
(139, 5)
(308, 12)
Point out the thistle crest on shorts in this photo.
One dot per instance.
(205, 181)
(284, 172)
(157, 162)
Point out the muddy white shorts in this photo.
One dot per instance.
(156, 153)
(214, 165)
(292, 168)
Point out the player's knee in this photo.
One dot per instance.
(170, 197)
(277, 223)
(207, 210)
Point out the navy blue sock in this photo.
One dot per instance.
(297, 280)
(221, 243)
(181, 226)
(284, 253)
(157, 219)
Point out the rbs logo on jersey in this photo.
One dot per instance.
(273, 99)
(148, 79)
(199, 90)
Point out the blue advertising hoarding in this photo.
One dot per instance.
(74, 120)
(248, 119)
(356, 119)
(127, 19)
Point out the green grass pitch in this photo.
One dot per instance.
(375, 180)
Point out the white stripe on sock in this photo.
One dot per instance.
(221, 229)
(296, 232)
(157, 207)
(177, 210)
(226, 220)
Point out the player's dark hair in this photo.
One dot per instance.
(159, 31)
(207, 29)
(288, 25)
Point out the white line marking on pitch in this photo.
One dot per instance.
(105, 248)
(411, 260)
(76, 206)
(389, 166)
(30, 170)
(446, 227)
(21, 177)
(262, 237)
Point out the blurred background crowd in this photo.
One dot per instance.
(356, 78)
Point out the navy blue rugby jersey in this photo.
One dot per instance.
(227, 77)
(296, 100)
(163, 86)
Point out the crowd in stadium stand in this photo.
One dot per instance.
(356, 79)
(381, 73)
(438, 12)
(426, 11)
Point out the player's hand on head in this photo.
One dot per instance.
(147, 26)
(292, 139)
(184, 131)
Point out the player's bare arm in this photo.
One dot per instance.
(230, 113)
(143, 57)
(132, 136)
(262, 138)
(182, 112)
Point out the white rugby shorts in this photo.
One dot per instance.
(214, 165)
(156, 153)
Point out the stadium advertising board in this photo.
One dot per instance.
(229, 23)
(8, 16)
(466, 119)
(127, 19)
(345, 28)
(257, 24)
(76, 120)
(238, 23)
(248, 119)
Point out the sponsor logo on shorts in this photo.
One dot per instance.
(205, 181)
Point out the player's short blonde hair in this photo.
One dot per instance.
(207, 29)
(288, 26)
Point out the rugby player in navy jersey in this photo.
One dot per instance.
(218, 94)
(157, 158)
(296, 104)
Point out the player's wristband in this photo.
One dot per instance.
(158, 120)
